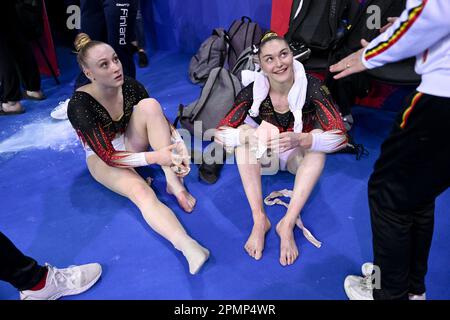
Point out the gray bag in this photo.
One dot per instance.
(243, 33)
(211, 54)
(216, 100)
(246, 61)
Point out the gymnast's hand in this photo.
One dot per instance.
(290, 140)
(249, 137)
(186, 156)
(285, 141)
(181, 159)
(164, 156)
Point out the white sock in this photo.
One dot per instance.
(195, 254)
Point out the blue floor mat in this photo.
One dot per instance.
(55, 212)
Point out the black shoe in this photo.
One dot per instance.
(300, 50)
(142, 59)
(209, 173)
(354, 148)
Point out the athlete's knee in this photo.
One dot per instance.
(141, 193)
(150, 107)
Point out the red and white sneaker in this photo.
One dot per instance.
(65, 282)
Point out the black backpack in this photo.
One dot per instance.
(320, 23)
(243, 33)
(358, 29)
(29, 13)
(345, 90)
(216, 99)
(211, 54)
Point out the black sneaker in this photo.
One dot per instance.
(300, 50)
(142, 59)
(209, 173)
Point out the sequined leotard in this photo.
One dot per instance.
(95, 127)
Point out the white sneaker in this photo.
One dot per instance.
(60, 111)
(65, 282)
(422, 296)
(358, 288)
(367, 269)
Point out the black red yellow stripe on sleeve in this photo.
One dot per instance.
(413, 15)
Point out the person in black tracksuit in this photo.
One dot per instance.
(19, 270)
(413, 168)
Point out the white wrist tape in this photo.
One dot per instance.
(328, 141)
(229, 137)
(175, 136)
(131, 159)
(259, 149)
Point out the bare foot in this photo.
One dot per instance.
(185, 199)
(255, 243)
(288, 247)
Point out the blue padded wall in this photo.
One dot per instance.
(182, 25)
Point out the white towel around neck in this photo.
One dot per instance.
(296, 96)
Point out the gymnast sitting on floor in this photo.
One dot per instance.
(116, 122)
(306, 124)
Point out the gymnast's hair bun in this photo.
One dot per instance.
(81, 40)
